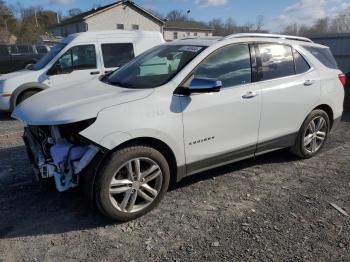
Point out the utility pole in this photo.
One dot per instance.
(6, 26)
(36, 19)
(58, 18)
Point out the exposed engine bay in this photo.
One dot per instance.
(59, 152)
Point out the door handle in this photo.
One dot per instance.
(250, 95)
(309, 82)
(95, 73)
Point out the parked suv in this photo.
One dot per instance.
(16, 57)
(125, 136)
(79, 57)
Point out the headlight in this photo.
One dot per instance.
(71, 131)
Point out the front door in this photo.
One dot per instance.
(222, 127)
(77, 65)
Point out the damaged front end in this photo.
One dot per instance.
(59, 152)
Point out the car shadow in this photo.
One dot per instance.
(28, 209)
(346, 116)
(279, 156)
(5, 116)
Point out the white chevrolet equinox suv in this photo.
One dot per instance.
(179, 109)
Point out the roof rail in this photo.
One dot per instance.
(288, 37)
(201, 38)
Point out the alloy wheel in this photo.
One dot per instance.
(315, 134)
(135, 185)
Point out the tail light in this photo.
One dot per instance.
(342, 78)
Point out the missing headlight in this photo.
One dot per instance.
(71, 131)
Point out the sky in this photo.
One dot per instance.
(276, 13)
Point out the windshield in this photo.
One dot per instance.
(155, 67)
(48, 57)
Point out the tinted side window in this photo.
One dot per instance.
(324, 55)
(41, 49)
(231, 65)
(3, 50)
(79, 57)
(277, 61)
(301, 66)
(24, 49)
(116, 55)
(13, 49)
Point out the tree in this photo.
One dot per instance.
(74, 11)
(341, 23)
(230, 27)
(35, 22)
(338, 24)
(8, 22)
(259, 24)
(177, 15)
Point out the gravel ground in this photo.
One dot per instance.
(271, 208)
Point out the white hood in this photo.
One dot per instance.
(75, 103)
(20, 73)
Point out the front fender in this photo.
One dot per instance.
(27, 86)
(113, 140)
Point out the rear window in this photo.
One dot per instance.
(116, 55)
(324, 55)
(301, 66)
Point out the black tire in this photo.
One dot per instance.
(25, 96)
(107, 172)
(299, 149)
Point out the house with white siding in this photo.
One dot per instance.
(183, 29)
(126, 15)
(122, 15)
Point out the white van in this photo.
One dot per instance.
(79, 57)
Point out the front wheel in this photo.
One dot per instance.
(25, 96)
(312, 135)
(131, 183)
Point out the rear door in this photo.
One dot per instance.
(290, 88)
(80, 63)
(115, 54)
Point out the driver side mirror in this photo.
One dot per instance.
(202, 85)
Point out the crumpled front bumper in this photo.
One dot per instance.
(33, 151)
(65, 163)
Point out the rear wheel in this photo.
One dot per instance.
(312, 135)
(25, 96)
(131, 183)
